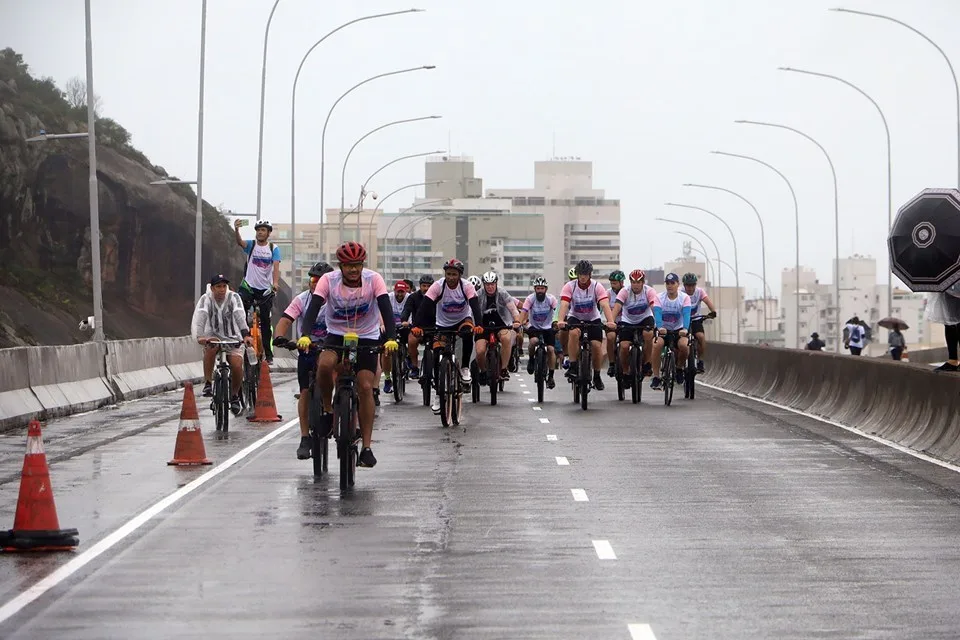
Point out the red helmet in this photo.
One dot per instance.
(453, 263)
(637, 275)
(350, 252)
(400, 286)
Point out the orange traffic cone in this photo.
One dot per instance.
(189, 449)
(35, 525)
(266, 408)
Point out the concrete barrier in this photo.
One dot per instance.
(184, 358)
(911, 406)
(69, 378)
(18, 404)
(138, 367)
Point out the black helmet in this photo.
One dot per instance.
(319, 269)
(426, 279)
(409, 284)
(584, 267)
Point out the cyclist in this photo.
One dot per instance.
(499, 314)
(219, 316)
(410, 307)
(698, 295)
(638, 306)
(306, 360)
(451, 304)
(538, 311)
(261, 278)
(676, 322)
(616, 286)
(356, 301)
(397, 299)
(584, 300)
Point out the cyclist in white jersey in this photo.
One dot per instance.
(537, 315)
(640, 309)
(698, 295)
(397, 299)
(584, 299)
(616, 286)
(676, 307)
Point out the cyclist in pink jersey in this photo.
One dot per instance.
(584, 299)
(698, 295)
(356, 300)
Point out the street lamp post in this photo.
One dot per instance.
(836, 211)
(796, 216)
(763, 237)
(956, 85)
(736, 259)
(343, 171)
(397, 190)
(323, 139)
(386, 235)
(767, 294)
(94, 188)
(198, 233)
(293, 137)
(263, 87)
(716, 250)
(889, 174)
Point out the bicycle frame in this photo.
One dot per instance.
(440, 358)
(222, 388)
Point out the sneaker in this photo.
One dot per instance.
(597, 381)
(435, 405)
(611, 371)
(465, 374)
(367, 459)
(551, 384)
(647, 369)
(303, 451)
(504, 375)
(413, 373)
(235, 405)
(388, 386)
(482, 378)
(700, 368)
(566, 362)
(207, 390)
(655, 384)
(530, 365)
(679, 376)
(573, 370)
(946, 366)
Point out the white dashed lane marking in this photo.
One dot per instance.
(640, 632)
(551, 437)
(544, 420)
(604, 550)
(562, 461)
(579, 495)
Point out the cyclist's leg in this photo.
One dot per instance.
(235, 358)
(611, 344)
(549, 337)
(209, 359)
(306, 362)
(412, 344)
(626, 336)
(573, 344)
(481, 348)
(682, 352)
(325, 366)
(596, 346)
(506, 347)
(266, 332)
(246, 296)
(466, 331)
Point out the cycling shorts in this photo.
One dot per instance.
(306, 364)
(366, 360)
(594, 328)
(696, 327)
(487, 332)
(549, 336)
(625, 332)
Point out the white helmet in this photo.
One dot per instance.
(263, 223)
(490, 276)
(539, 281)
(475, 281)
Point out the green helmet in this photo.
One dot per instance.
(572, 274)
(689, 278)
(618, 276)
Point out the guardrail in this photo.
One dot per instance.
(909, 405)
(48, 382)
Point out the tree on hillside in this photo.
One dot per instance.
(76, 92)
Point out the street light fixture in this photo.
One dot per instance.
(736, 259)
(836, 207)
(293, 137)
(169, 181)
(44, 136)
(889, 173)
(323, 136)
(703, 252)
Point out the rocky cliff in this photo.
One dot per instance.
(147, 247)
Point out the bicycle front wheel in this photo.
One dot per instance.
(540, 370)
(668, 378)
(399, 376)
(445, 390)
(343, 415)
(636, 365)
(493, 372)
(586, 373)
(221, 403)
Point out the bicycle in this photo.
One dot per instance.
(539, 356)
(635, 358)
(251, 370)
(398, 370)
(515, 355)
(319, 442)
(668, 366)
(583, 383)
(494, 381)
(443, 375)
(690, 372)
(220, 404)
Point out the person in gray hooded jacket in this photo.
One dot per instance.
(499, 315)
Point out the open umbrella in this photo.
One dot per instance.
(924, 242)
(894, 323)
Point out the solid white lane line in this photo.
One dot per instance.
(579, 495)
(544, 420)
(562, 461)
(878, 439)
(552, 437)
(640, 631)
(16, 604)
(604, 550)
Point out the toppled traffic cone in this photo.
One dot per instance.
(189, 449)
(35, 525)
(266, 408)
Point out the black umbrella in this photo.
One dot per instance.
(924, 243)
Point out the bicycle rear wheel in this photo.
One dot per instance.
(586, 371)
(318, 440)
(540, 370)
(636, 366)
(456, 402)
(618, 373)
(690, 375)
(221, 403)
(493, 372)
(445, 391)
(668, 378)
(426, 374)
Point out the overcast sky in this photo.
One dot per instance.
(645, 89)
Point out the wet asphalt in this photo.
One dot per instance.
(713, 518)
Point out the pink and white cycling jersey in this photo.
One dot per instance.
(583, 302)
(673, 310)
(348, 309)
(695, 299)
(453, 305)
(298, 307)
(637, 307)
(540, 314)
